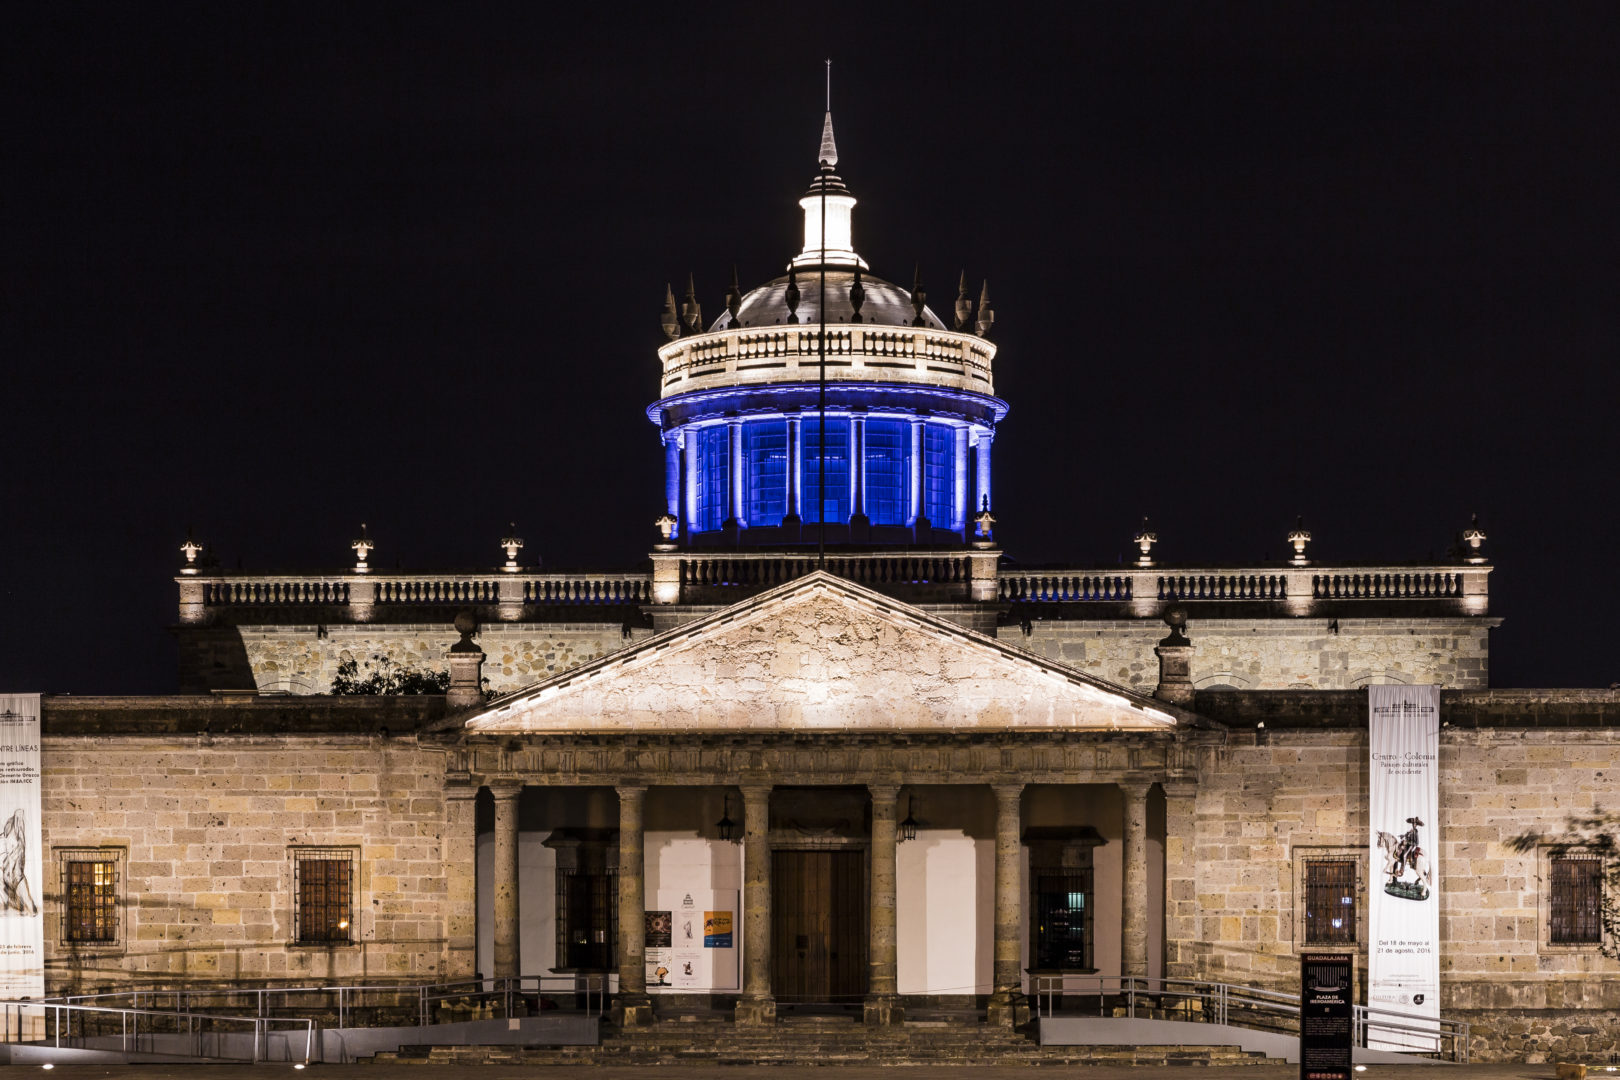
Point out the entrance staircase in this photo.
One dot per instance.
(820, 1040)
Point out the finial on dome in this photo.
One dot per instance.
(964, 306)
(857, 297)
(733, 298)
(919, 297)
(691, 310)
(792, 295)
(987, 314)
(671, 321)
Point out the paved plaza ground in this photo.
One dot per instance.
(853, 1072)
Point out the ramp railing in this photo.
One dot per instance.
(1242, 1006)
(381, 1004)
(171, 1032)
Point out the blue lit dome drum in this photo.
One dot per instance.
(896, 452)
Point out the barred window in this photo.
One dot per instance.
(90, 882)
(1330, 902)
(323, 890)
(1577, 899)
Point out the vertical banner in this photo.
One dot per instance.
(1403, 786)
(22, 927)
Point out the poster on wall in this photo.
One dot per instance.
(1403, 785)
(22, 927)
(697, 950)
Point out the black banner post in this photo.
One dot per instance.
(1326, 1012)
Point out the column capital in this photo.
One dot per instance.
(1179, 789)
(756, 792)
(1007, 792)
(883, 792)
(630, 791)
(1136, 789)
(505, 789)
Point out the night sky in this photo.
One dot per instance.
(274, 273)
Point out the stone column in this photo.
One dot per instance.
(915, 461)
(795, 470)
(959, 490)
(672, 472)
(507, 959)
(882, 1006)
(1134, 906)
(982, 462)
(689, 520)
(633, 1006)
(1180, 879)
(738, 470)
(1008, 1007)
(756, 1006)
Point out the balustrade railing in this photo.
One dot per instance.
(248, 590)
(874, 568)
(221, 592)
(1222, 585)
(927, 352)
(588, 589)
(436, 591)
(1387, 584)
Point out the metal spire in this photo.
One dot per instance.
(829, 148)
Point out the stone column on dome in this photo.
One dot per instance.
(1134, 905)
(756, 1006)
(672, 473)
(916, 461)
(795, 464)
(633, 1006)
(981, 495)
(959, 505)
(507, 958)
(735, 519)
(690, 436)
(1008, 1007)
(882, 1005)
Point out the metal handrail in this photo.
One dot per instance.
(1236, 1004)
(423, 996)
(130, 1025)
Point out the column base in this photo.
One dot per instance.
(881, 1010)
(755, 1012)
(1008, 1008)
(632, 1010)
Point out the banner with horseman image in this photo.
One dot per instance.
(1403, 787)
(22, 927)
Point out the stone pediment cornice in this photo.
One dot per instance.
(820, 654)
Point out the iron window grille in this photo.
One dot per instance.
(1330, 902)
(1577, 899)
(90, 882)
(587, 920)
(1061, 937)
(323, 891)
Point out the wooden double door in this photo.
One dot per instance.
(819, 915)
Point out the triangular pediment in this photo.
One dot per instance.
(820, 653)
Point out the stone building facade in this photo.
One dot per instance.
(800, 689)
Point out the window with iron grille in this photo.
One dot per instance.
(323, 895)
(587, 920)
(1330, 902)
(1061, 932)
(1577, 899)
(90, 893)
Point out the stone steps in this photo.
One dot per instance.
(820, 1042)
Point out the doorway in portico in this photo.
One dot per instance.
(820, 895)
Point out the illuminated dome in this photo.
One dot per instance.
(907, 400)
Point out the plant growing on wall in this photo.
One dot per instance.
(385, 675)
(1593, 835)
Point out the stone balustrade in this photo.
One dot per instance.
(947, 575)
(750, 355)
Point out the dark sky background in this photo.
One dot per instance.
(275, 272)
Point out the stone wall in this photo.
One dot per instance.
(299, 660)
(206, 827)
(1265, 804)
(1274, 654)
